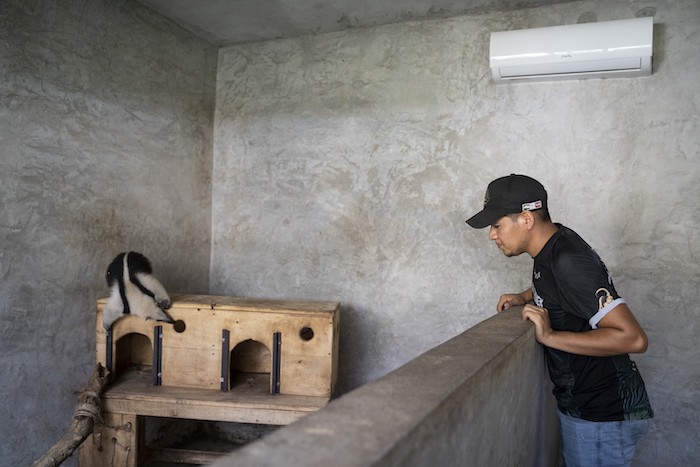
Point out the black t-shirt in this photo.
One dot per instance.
(573, 284)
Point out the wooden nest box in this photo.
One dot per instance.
(229, 344)
(225, 359)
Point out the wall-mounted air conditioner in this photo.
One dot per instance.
(588, 50)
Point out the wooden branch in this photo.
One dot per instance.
(86, 412)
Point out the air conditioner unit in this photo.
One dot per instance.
(587, 50)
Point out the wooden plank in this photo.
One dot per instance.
(183, 456)
(303, 374)
(192, 368)
(116, 442)
(133, 394)
(257, 305)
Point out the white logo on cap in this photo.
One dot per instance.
(532, 206)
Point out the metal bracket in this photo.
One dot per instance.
(108, 351)
(276, 362)
(225, 360)
(157, 355)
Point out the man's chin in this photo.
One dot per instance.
(510, 254)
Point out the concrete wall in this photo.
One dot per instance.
(106, 115)
(476, 400)
(345, 165)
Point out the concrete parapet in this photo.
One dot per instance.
(480, 399)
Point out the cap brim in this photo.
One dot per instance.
(485, 218)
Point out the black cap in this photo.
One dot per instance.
(509, 195)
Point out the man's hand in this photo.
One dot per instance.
(510, 299)
(540, 317)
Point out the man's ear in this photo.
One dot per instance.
(528, 219)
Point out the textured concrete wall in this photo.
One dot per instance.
(106, 115)
(345, 165)
(445, 408)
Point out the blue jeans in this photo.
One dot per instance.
(597, 444)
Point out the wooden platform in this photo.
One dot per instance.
(225, 359)
(134, 393)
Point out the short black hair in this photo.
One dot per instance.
(542, 214)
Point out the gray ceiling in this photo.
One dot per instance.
(227, 22)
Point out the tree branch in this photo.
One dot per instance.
(86, 412)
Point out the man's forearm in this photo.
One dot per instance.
(617, 333)
(601, 342)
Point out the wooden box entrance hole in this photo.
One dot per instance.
(251, 367)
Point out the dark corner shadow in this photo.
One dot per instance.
(355, 348)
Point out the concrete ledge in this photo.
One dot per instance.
(481, 399)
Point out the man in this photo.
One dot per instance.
(586, 328)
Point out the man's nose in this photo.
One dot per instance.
(492, 233)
